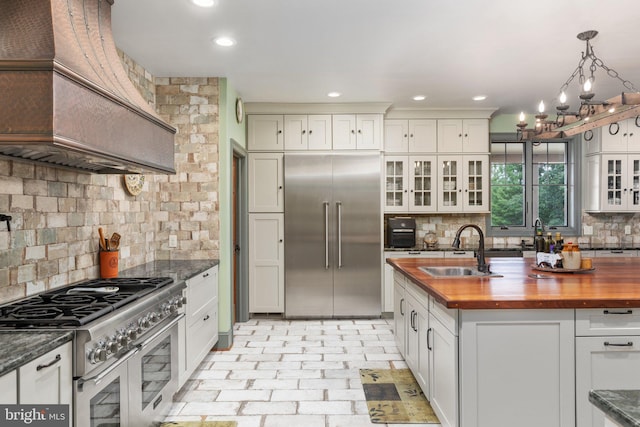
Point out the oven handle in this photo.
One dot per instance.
(161, 331)
(98, 378)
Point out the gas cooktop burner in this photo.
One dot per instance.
(62, 309)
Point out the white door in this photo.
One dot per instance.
(444, 372)
(344, 131)
(423, 195)
(295, 132)
(368, 131)
(319, 132)
(450, 136)
(265, 132)
(396, 184)
(450, 197)
(475, 136)
(423, 136)
(396, 136)
(475, 182)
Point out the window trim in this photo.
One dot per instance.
(574, 214)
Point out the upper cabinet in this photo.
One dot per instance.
(410, 184)
(463, 184)
(266, 181)
(410, 136)
(265, 132)
(463, 136)
(307, 132)
(357, 131)
(621, 137)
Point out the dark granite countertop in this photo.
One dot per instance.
(178, 270)
(20, 347)
(622, 406)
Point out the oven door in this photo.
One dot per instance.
(103, 400)
(153, 376)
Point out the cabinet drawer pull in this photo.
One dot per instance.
(401, 308)
(611, 344)
(53, 362)
(428, 340)
(205, 275)
(618, 312)
(206, 318)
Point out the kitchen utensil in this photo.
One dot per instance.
(98, 290)
(102, 240)
(114, 242)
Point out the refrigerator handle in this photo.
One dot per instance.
(339, 205)
(326, 235)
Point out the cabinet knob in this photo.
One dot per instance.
(310, 132)
(405, 135)
(280, 187)
(353, 131)
(466, 135)
(359, 130)
(459, 135)
(411, 135)
(304, 131)
(280, 240)
(279, 131)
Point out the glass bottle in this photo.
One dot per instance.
(549, 244)
(539, 241)
(559, 243)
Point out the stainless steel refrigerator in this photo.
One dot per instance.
(332, 235)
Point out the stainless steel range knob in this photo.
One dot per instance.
(112, 346)
(173, 308)
(144, 322)
(97, 355)
(178, 302)
(183, 300)
(153, 317)
(132, 334)
(122, 340)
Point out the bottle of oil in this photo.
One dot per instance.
(549, 244)
(539, 241)
(559, 243)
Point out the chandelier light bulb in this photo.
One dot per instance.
(541, 107)
(522, 117)
(587, 86)
(563, 98)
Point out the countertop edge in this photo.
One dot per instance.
(17, 359)
(608, 402)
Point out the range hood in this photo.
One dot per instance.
(66, 99)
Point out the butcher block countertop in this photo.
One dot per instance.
(614, 283)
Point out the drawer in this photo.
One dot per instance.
(413, 254)
(615, 253)
(459, 254)
(447, 316)
(608, 321)
(202, 335)
(421, 296)
(399, 280)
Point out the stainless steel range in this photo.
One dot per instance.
(125, 346)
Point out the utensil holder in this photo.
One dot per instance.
(108, 264)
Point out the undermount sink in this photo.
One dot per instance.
(456, 272)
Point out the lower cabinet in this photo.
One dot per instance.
(48, 379)
(9, 388)
(199, 328)
(266, 263)
(443, 366)
(607, 357)
(399, 314)
(517, 368)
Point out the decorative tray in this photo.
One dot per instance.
(562, 270)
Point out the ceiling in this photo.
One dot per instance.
(515, 52)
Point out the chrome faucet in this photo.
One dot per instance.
(482, 264)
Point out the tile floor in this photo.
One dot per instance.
(291, 373)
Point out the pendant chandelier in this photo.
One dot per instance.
(590, 113)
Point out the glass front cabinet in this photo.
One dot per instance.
(410, 183)
(463, 183)
(621, 186)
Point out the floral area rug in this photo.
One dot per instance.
(394, 397)
(199, 424)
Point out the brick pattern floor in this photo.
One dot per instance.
(291, 373)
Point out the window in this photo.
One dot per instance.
(532, 180)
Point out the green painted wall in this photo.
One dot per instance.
(229, 130)
(504, 123)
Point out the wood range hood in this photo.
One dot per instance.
(65, 97)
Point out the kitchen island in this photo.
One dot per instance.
(516, 349)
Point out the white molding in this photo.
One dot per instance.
(440, 113)
(315, 108)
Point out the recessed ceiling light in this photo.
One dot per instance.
(204, 3)
(419, 98)
(334, 94)
(479, 97)
(225, 41)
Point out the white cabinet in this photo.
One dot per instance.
(48, 379)
(201, 321)
(410, 136)
(9, 388)
(399, 313)
(607, 357)
(442, 342)
(417, 330)
(357, 131)
(517, 368)
(463, 136)
(265, 132)
(266, 182)
(463, 183)
(613, 183)
(307, 132)
(621, 137)
(410, 184)
(266, 263)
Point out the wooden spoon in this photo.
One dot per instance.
(101, 234)
(114, 242)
